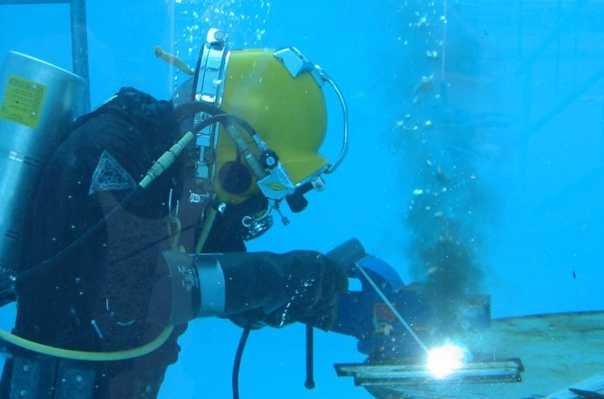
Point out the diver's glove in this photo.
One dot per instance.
(256, 288)
(313, 286)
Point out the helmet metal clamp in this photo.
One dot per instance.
(208, 87)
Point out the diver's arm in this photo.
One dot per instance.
(277, 288)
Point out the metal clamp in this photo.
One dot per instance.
(209, 88)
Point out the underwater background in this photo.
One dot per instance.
(476, 159)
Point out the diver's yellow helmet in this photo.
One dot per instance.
(288, 112)
(273, 117)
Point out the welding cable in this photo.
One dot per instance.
(310, 361)
(237, 363)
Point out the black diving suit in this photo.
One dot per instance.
(112, 292)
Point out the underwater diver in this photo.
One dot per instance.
(139, 221)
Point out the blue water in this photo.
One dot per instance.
(514, 114)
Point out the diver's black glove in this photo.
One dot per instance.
(274, 289)
(254, 289)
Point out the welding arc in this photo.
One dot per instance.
(392, 308)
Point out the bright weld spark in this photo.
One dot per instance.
(445, 360)
(392, 308)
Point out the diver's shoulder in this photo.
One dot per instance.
(134, 106)
(129, 116)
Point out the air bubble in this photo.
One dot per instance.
(432, 54)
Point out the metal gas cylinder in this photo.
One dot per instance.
(38, 101)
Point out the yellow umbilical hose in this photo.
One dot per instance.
(84, 355)
(166, 160)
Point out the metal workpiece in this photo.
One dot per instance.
(38, 102)
(402, 374)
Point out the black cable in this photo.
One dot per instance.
(310, 360)
(237, 362)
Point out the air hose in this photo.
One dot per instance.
(156, 170)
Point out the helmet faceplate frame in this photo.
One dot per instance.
(209, 88)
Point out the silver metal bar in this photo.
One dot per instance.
(79, 45)
(413, 374)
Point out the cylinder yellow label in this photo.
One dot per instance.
(23, 101)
